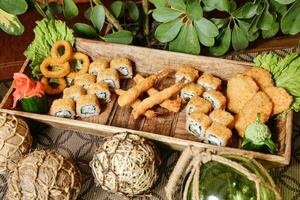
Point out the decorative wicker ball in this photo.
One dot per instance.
(15, 141)
(126, 164)
(44, 174)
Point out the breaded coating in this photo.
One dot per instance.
(218, 134)
(209, 82)
(198, 104)
(261, 76)
(240, 89)
(222, 117)
(216, 98)
(190, 90)
(259, 104)
(280, 98)
(190, 74)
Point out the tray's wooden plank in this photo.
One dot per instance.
(151, 60)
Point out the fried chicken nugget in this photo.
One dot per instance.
(280, 98)
(259, 104)
(240, 89)
(261, 76)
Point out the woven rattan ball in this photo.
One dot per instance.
(126, 164)
(44, 174)
(15, 141)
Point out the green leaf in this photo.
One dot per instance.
(232, 5)
(70, 9)
(98, 17)
(10, 23)
(84, 30)
(194, 10)
(122, 37)
(117, 8)
(223, 42)
(55, 8)
(177, 4)
(279, 8)
(15, 7)
(207, 27)
(49, 14)
(166, 32)
(186, 41)
(164, 14)
(219, 22)
(133, 10)
(266, 20)
(239, 38)
(159, 3)
(272, 32)
(206, 41)
(87, 13)
(221, 5)
(285, 2)
(247, 11)
(290, 21)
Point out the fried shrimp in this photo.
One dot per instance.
(133, 93)
(240, 89)
(68, 52)
(85, 62)
(280, 98)
(261, 76)
(156, 99)
(171, 105)
(50, 68)
(259, 104)
(54, 90)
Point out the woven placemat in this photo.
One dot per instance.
(80, 148)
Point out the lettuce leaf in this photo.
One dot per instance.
(46, 32)
(285, 72)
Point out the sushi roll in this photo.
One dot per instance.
(87, 106)
(197, 124)
(73, 92)
(218, 134)
(84, 80)
(189, 74)
(190, 90)
(198, 104)
(123, 66)
(216, 98)
(70, 78)
(63, 108)
(109, 76)
(222, 117)
(97, 65)
(209, 82)
(101, 90)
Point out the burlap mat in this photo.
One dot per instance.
(80, 148)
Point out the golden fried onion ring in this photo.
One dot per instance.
(85, 59)
(65, 68)
(67, 54)
(51, 90)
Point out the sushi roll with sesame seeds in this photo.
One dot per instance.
(198, 104)
(209, 82)
(84, 80)
(197, 124)
(222, 117)
(101, 90)
(109, 76)
(73, 92)
(218, 134)
(188, 74)
(123, 66)
(190, 90)
(97, 65)
(87, 106)
(64, 108)
(216, 98)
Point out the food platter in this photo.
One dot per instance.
(169, 128)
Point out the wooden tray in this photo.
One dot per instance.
(168, 129)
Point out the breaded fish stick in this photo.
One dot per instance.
(133, 93)
(149, 114)
(156, 99)
(171, 105)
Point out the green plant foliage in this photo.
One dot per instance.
(70, 9)
(15, 7)
(85, 30)
(290, 22)
(223, 42)
(117, 8)
(10, 23)
(123, 37)
(97, 17)
(167, 32)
